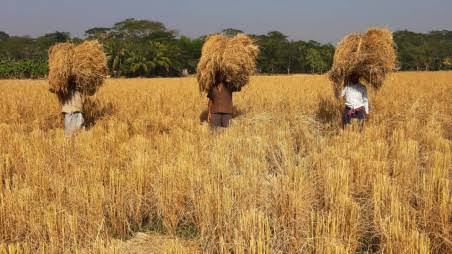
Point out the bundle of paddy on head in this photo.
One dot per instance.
(369, 55)
(82, 67)
(230, 61)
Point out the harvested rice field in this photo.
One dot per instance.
(148, 176)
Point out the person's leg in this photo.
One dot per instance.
(346, 118)
(72, 123)
(226, 118)
(67, 124)
(80, 121)
(361, 116)
(215, 120)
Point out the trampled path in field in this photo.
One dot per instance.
(148, 243)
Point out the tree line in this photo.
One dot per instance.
(144, 48)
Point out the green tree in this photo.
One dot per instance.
(230, 32)
(147, 48)
(158, 54)
(190, 53)
(56, 37)
(147, 59)
(417, 51)
(43, 43)
(133, 28)
(19, 48)
(3, 36)
(116, 53)
(315, 61)
(274, 52)
(98, 33)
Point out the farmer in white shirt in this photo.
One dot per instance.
(356, 101)
(72, 109)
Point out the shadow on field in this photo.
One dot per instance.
(203, 116)
(95, 110)
(329, 111)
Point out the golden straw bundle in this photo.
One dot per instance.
(370, 55)
(209, 70)
(227, 60)
(239, 61)
(60, 67)
(89, 66)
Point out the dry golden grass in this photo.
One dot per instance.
(282, 179)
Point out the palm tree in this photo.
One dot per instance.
(143, 59)
(158, 56)
(116, 53)
(139, 64)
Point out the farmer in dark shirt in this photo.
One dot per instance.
(220, 105)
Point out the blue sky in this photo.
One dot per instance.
(321, 20)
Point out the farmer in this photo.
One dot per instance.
(220, 105)
(72, 109)
(356, 101)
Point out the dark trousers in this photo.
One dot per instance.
(350, 114)
(220, 120)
